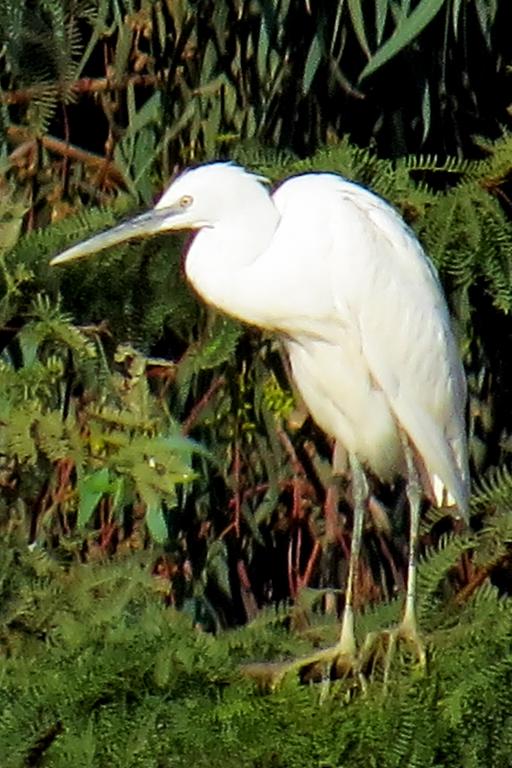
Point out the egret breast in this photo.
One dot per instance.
(338, 390)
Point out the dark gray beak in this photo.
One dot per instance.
(149, 223)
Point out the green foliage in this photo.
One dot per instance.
(141, 366)
(163, 83)
(114, 444)
(43, 51)
(95, 669)
(107, 367)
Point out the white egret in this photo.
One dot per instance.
(334, 270)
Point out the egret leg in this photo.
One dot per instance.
(407, 630)
(414, 498)
(408, 626)
(347, 641)
(340, 658)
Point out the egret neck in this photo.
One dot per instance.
(221, 254)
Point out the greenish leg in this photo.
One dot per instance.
(383, 645)
(408, 627)
(414, 497)
(347, 642)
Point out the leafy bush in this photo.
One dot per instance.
(97, 419)
(97, 670)
(97, 97)
(132, 420)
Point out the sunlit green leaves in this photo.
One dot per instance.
(312, 63)
(122, 448)
(156, 523)
(358, 21)
(91, 489)
(405, 32)
(186, 81)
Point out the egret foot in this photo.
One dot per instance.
(337, 672)
(380, 647)
(340, 661)
(322, 665)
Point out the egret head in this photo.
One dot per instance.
(199, 197)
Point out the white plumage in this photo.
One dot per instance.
(334, 268)
(337, 273)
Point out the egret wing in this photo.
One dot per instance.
(386, 290)
(407, 339)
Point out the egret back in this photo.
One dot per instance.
(388, 302)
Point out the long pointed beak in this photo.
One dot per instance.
(149, 223)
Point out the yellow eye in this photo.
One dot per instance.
(185, 201)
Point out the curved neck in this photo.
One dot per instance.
(220, 256)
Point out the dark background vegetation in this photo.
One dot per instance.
(148, 441)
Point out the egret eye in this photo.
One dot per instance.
(185, 201)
